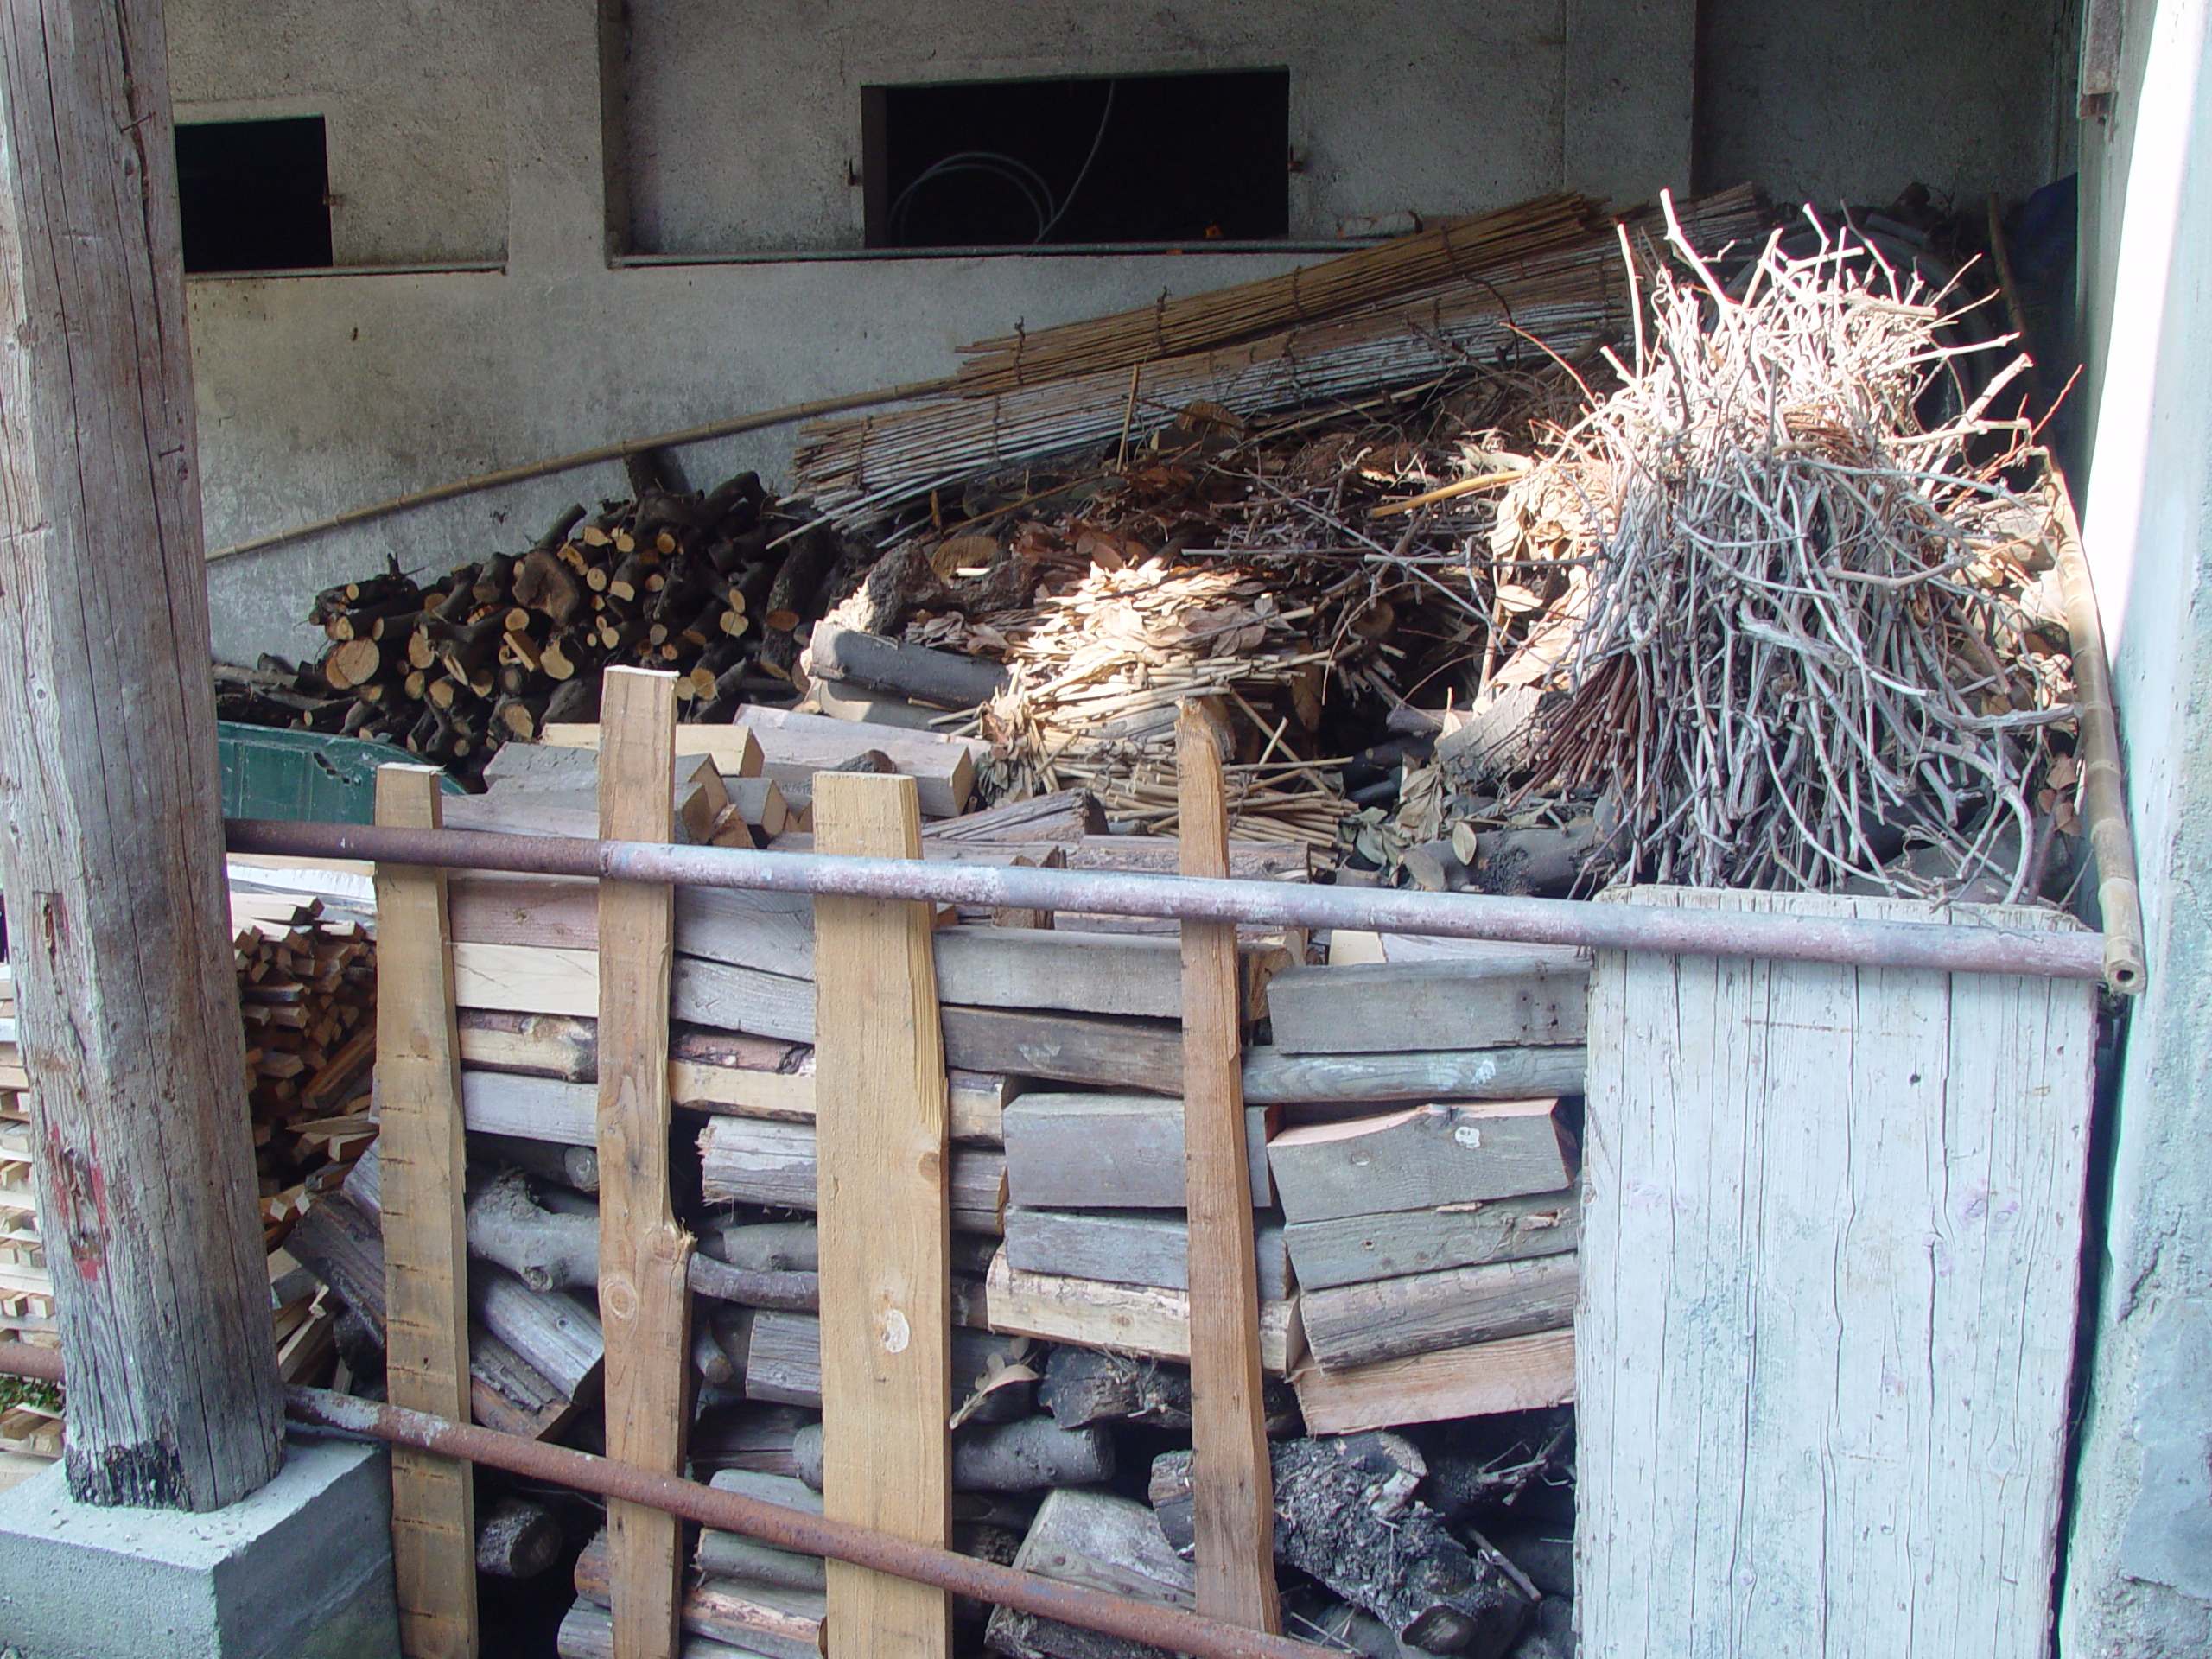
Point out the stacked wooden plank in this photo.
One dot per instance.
(1434, 1241)
(307, 995)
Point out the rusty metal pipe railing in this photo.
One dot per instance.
(1935, 946)
(1093, 1609)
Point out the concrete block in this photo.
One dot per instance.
(300, 1570)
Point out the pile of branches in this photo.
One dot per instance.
(1263, 564)
(1787, 632)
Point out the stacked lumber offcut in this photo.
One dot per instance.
(1415, 1376)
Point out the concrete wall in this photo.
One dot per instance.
(740, 135)
(2139, 1571)
(418, 161)
(1851, 102)
(532, 135)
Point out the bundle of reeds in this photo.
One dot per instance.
(1562, 301)
(1222, 316)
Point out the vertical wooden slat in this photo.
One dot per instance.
(1831, 1238)
(425, 1245)
(1233, 1487)
(643, 1305)
(881, 1113)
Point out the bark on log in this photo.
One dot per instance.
(129, 1011)
(1346, 1514)
(518, 1540)
(547, 1250)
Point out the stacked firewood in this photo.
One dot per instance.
(309, 998)
(716, 588)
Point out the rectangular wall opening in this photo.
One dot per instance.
(254, 195)
(1093, 159)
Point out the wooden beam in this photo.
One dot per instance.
(1233, 1490)
(645, 1307)
(113, 862)
(1518, 1374)
(881, 1119)
(420, 1160)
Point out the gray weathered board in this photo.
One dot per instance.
(1127, 1247)
(1831, 1246)
(1356, 1249)
(1400, 1007)
(1117, 1152)
(1351, 1325)
(1458, 1152)
(756, 1160)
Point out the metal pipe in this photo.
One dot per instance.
(2104, 798)
(1093, 1609)
(784, 416)
(1935, 947)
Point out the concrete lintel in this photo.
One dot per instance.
(302, 1569)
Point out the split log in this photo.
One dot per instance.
(1346, 1514)
(748, 1436)
(1066, 818)
(1103, 1542)
(1358, 1249)
(574, 1167)
(1026, 1455)
(1351, 1325)
(758, 1619)
(1131, 1318)
(1066, 1152)
(943, 677)
(1469, 1002)
(1128, 1247)
(753, 1161)
(531, 1109)
(1271, 1076)
(545, 1045)
(794, 747)
(1519, 1374)
(1417, 1160)
(554, 1332)
(784, 1363)
(1083, 1386)
(546, 1249)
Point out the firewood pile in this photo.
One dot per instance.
(308, 995)
(716, 588)
(1416, 1219)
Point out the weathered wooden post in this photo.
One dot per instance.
(117, 919)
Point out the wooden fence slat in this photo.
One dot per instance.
(1234, 1488)
(644, 1308)
(1832, 1235)
(425, 1244)
(882, 1120)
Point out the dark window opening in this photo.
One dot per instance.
(1132, 158)
(254, 195)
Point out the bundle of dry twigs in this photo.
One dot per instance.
(1091, 703)
(1798, 648)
